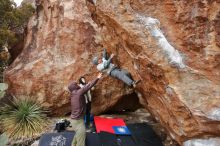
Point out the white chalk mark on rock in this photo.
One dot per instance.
(153, 26)
(214, 114)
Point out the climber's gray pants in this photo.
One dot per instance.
(122, 75)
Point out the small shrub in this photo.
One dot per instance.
(23, 118)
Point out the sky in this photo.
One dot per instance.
(18, 2)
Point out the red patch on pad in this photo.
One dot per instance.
(105, 124)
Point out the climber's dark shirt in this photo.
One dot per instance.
(78, 102)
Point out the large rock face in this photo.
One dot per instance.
(172, 46)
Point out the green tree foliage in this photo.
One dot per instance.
(12, 20)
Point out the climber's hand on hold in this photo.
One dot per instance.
(99, 75)
(112, 55)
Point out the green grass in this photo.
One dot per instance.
(23, 118)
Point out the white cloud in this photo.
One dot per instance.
(18, 2)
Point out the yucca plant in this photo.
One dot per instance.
(23, 118)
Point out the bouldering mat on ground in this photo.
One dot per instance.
(53, 139)
(93, 139)
(65, 139)
(105, 124)
(141, 135)
(109, 139)
(144, 135)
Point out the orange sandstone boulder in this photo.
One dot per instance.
(172, 46)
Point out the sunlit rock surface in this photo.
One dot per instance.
(172, 46)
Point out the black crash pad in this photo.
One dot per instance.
(144, 135)
(141, 135)
(109, 139)
(65, 139)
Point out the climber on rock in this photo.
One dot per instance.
(105, 65)
(78, 107)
